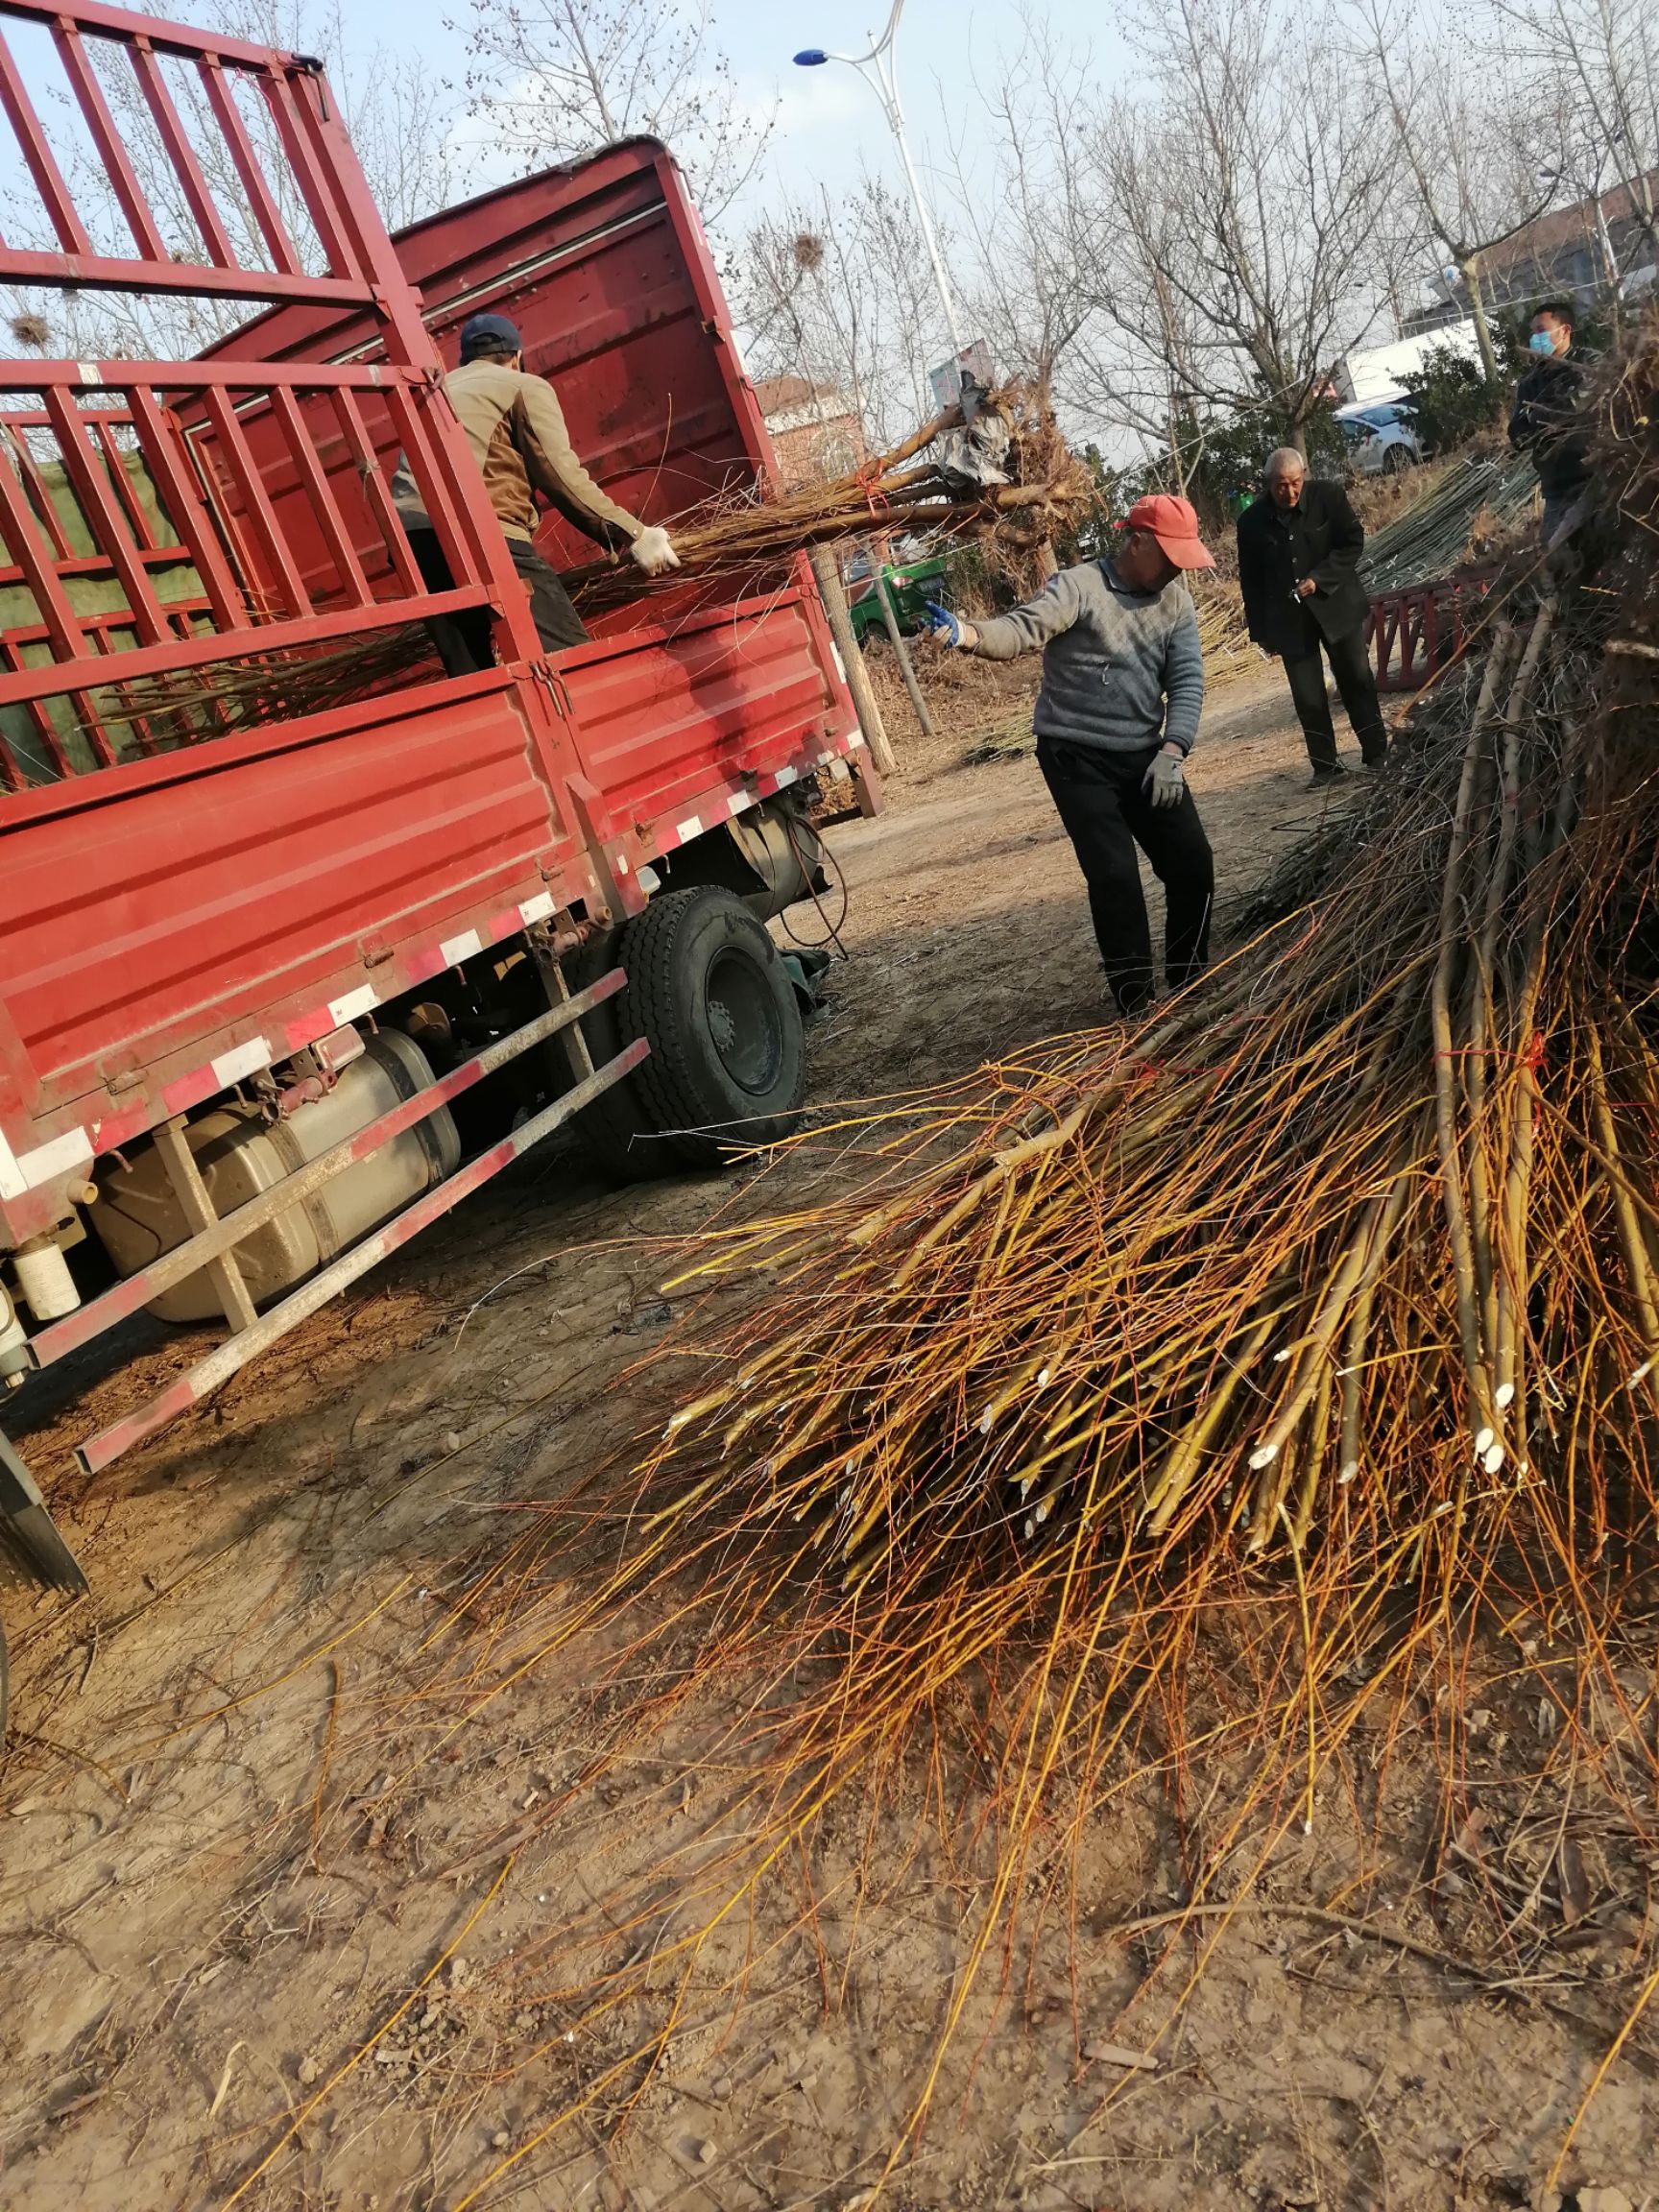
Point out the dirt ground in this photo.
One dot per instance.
(253, 1898)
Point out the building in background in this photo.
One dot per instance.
(814, 429)
(1582, 251)
(1374, 373)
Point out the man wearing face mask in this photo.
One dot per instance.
(1122, 687)
(1544, 422)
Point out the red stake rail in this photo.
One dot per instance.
(298, 226)
(213, 864)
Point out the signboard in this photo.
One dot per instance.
(947, 380)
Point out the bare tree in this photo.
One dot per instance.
(840, 293)
(556, 77)
(1463, 124)
(1023, 214)
(1603, 58)
(398, 115)
(1235, 210)
(1137, 362)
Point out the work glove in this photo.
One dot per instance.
(653, 551)
(1164, 782)
(947, 629)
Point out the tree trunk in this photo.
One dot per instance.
(1177, 465)
(852, 659)
(902, 651)
(1468, 268)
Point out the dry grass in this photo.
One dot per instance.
(1178, 1396)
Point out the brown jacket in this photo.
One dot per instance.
(515, 429)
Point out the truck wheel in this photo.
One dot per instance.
(709, 989)
(617, 1131)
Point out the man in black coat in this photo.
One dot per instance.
(1545, 405)
(1299, 547)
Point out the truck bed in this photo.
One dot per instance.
(175, 922)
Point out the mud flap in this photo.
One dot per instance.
(26, 1532)
(805, 966)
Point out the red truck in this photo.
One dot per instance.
(283, 907)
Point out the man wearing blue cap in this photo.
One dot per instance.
(515, 429)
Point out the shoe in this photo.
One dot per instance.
(1321, 777)
(1375, 765)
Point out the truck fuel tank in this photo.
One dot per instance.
(240, 1152)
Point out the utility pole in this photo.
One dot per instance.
(875, 66)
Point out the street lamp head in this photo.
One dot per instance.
(810, 58)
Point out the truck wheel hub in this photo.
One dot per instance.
(743, 1023)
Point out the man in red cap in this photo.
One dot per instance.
(1122, 687)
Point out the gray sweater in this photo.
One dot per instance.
(1122, 670)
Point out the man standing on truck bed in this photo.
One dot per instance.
(1122, 687)
(516, 430)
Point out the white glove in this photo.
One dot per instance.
(653, 550)
(1164, 782)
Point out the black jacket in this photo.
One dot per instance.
(1321, 536)
(1542, 425)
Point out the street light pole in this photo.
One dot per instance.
(876, 69)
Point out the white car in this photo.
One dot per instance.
(1381, 439)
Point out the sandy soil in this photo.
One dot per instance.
(253, 1897)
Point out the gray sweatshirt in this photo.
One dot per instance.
(1122, 670)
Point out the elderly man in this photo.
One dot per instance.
(1299, 547)
(516, 430)
(1122, 687)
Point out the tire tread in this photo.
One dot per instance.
(668, 1079)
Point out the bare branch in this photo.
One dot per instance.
(1237, 263)
(553, 79)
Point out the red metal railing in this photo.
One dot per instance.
(212, 437)
(1410, 634)
(156, 548)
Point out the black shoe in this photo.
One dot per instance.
(1321, 777)
(1374, 763)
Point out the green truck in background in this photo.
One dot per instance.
(908, 585)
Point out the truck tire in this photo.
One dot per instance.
(709, 990)
(617, 1131)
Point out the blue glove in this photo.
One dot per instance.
(944, 628)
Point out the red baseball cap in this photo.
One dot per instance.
(1175, 526)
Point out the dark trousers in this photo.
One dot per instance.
(1351, 666)
(463, 640)
(1101, 799)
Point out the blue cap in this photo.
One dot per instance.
(489, 334)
